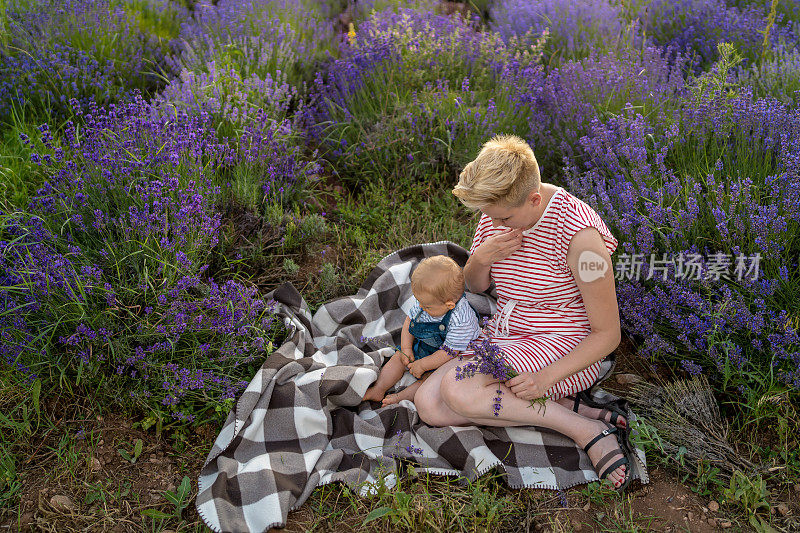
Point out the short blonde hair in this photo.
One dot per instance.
(439, 276)
(504, 173)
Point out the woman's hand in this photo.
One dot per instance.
(498, 246)
(530, 385)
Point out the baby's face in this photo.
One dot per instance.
(432, 305)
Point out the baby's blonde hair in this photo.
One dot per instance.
(440, 277)
(504, 173)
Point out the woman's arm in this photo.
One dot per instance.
(590, 263)
(477, 275)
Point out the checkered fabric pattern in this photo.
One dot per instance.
(301, 422)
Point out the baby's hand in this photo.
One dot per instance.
(417, 369)
(404, 358)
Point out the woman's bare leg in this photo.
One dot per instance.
(443, 401)
(430, 405)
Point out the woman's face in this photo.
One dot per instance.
(511, 217)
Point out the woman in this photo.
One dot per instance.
(549, 256)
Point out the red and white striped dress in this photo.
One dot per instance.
(541, 315)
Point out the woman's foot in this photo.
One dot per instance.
(605, 452)
(605, 415)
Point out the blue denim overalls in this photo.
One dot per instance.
(429, 336)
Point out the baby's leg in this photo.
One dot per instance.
(405, 394)
(409, 392)
(390, 374)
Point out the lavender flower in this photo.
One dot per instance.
(488, 359)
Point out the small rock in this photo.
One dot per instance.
(27, 518)
(725, 524)
(586, 507)
(62, 502)
(154, 496)
(538, 526)
(171, 487)
(576, 526)
(705, 509)
(783, 509)
(713, 507)
(100, 442)
(628, 379)
(690, 516)
(712, 522)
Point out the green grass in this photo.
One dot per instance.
(19, 177)
(420, 503)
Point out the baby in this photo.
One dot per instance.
(440, 316)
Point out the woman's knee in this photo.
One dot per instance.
(457, 394)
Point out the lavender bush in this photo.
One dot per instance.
(364, 9)
(271, 165)
(576, 28)
(110, 260)
(778, 77)
(565, 101)
(413, 96)
(722, 179)
(237, 60)
(695, 27)
(91, 50)
(788, 10)
(232, 101)
(177, 349)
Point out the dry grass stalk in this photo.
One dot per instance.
(685, 415)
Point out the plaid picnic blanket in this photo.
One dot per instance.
(301, 422)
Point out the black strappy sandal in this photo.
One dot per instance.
(623, 449)
(613, 408)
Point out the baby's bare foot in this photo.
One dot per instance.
(391, 399)
(374, 395)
